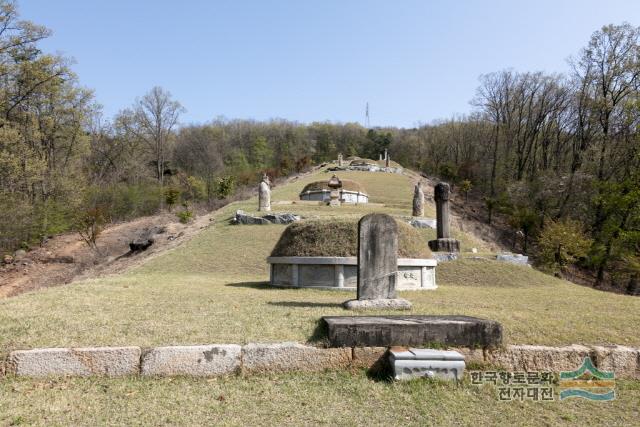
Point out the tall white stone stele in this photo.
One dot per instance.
(264, 194)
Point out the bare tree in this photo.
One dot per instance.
(151, 122)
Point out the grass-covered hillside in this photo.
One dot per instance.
(213, 290)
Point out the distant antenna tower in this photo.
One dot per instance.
(367, 122)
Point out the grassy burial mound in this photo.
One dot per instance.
(357, 161)
(339, 238)
(347, 184)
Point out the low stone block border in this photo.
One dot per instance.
(227, 359)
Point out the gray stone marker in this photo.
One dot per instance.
(423, 223)
(418, 200)
(517, 259)
(243, 218)
(444, 242)
(340, 161)
(264, 194)
(417, 330)
(377, 264)
(409, 363)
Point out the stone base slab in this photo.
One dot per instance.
(107, 361)
(619, 359)
(291, 356)
(377, 304)
(197, 360)
(539, 358)
(444, 245)
(623, 361)
(412, 330)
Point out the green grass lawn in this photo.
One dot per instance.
(330, 398)
(212, 290)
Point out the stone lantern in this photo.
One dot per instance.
(335, 185)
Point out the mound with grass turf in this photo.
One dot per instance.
(347, 185)
(339, 238)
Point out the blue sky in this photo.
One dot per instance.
(413, 61)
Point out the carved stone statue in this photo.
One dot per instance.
(340, 162)
(264, 194)
(418, 200)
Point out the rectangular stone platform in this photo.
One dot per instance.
(415, 331)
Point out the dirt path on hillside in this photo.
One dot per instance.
(66, 257)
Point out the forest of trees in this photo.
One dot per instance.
(555, 156)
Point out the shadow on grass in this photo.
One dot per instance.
(305, 304)
(252, 285)
(320, 334)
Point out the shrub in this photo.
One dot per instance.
(185, 215)
(562, 243)
(225, 186)
(171, 196)
(465, 187)
(196, 188)
(89, 225)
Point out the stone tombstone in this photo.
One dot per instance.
(418, 200)
(377, 257)
(444, 242)
(335, 185)
(340, 161)
(264, 194)
(377, 265)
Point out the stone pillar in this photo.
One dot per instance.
(340, 160)
(377, 264)
(387, 162)
(444, 242)
(264, 195)
(339, 272)
(380, 157)
(418, 200)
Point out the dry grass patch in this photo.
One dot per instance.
(330, 398)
